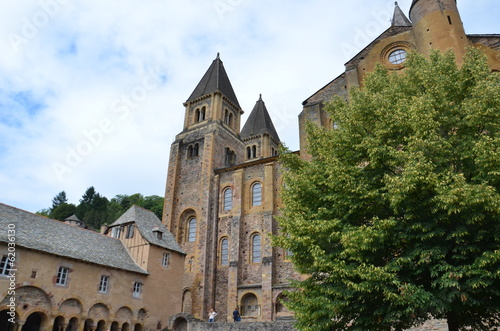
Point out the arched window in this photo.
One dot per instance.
(202, 114)
(191, 230)
(224, 251)
(228, 199)
(256, 246)
(249, 153)
(256, 194)
(254, 151)
(195, 149)
(226, 117)
(230, 121)
(197, 115)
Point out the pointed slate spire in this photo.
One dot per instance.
(399, 18)
(259, 122)
(215, 79)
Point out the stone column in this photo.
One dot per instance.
(267, 250)
(234, 245)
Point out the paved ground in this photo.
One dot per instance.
(434, 325)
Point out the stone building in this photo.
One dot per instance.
(221, 201)
(66, 278)
(223, 184)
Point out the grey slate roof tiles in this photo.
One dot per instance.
(146, 221)
(215, 79)
(50, 236)
(259, 122)
(399, 18)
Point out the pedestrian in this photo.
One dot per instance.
(236, 315)
(211, 315)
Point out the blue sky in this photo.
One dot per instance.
(91, 91)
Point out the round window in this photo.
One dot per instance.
(398, 56)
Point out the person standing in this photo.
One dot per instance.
(211, 315)
(236, 315)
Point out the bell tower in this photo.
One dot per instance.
(209, 141)
(437, 25)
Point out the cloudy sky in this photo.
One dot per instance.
(91, 91)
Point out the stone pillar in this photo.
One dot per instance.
(234, 244)
(19, 325)
(267, 249)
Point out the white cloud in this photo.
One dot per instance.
(78, 61)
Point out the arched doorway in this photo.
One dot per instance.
(6, 321)
(138, 327)
(126, 327)
(34, 322)
(180, 324)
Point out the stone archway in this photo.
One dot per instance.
(6, 320)
(72, 324)
(58, 324)
(187, 302)
(89, 324)
(281, 299)
(34, 322)
(30, 298)
(250, 305)
(101, 326)
(71, 307)
(180, 324)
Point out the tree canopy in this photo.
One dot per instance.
(396, 217)
(95, 209)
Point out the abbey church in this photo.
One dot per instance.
(223, 187)
(212, 248)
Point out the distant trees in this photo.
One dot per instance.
(95, 209)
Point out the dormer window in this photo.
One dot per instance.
(157, 232)
(116, 231)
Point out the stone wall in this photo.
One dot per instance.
(195, 325)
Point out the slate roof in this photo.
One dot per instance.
(73, 218)
(58, 238)
(215, 79)
(259, 122)
(399, 18)
(489, 40)
(147, 222)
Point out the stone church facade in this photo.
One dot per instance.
(223, 185)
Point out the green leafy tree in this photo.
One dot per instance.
(93, 209)
(63, 211)
(154, 203)
(396, 217)
(59, 199)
